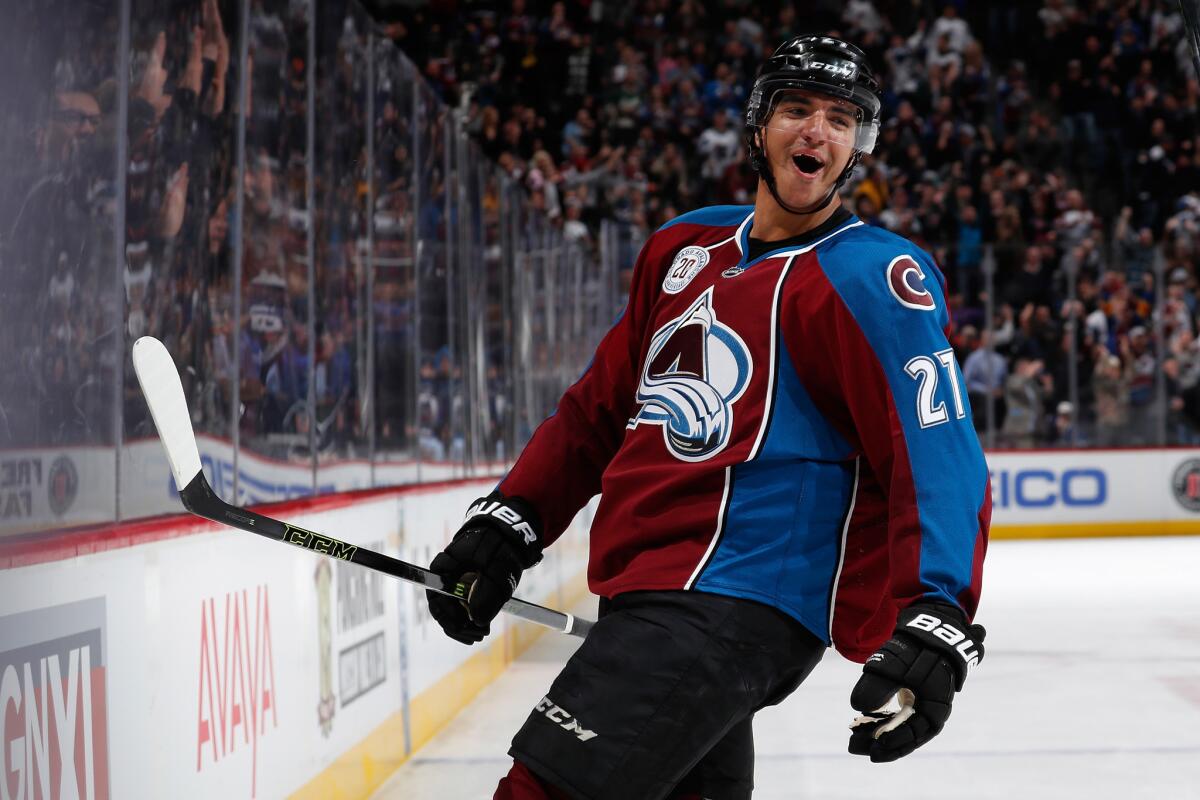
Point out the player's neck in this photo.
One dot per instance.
(772, 223)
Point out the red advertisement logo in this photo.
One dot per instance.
(237, 694)
(53, 723)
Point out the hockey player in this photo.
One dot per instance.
(783, 446)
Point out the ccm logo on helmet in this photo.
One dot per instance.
(506, 515)
(843, 70)
(905, 280)
(948, 634)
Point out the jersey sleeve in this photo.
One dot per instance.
(559, 469)
(907, 402)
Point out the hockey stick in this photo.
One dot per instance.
(164, 394)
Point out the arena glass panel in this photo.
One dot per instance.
(545, 315)
(511, 305)
(61, 299)
(342, 173)
(275, 459)
(521, 309)
(561, 303)
(459, 236)
(496, 319)
(440, 373)
(397, 138)
(471, 270)
(538, 322)
(1072, 378)
(180, 205)
(574, 301)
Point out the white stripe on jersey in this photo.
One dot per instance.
(716, 534)
(837, 575)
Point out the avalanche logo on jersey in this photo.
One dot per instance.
(688, 261)
(905, 280)
(696, 369)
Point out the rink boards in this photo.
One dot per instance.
(181, 659)
(1035, 493)
(1064, 493)
(171, 657)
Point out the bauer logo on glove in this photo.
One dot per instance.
(506, 514)
(908, 685)
(484, 562)
(951, 635)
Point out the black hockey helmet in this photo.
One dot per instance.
(819, 64)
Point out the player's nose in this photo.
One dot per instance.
(817, 127)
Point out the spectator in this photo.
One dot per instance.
(1137, 247)
(1142, 369)
(723, 92)
(1031, 286)
(969, 254)
(1023, 399)
(1064, 429)
(985, 373)
(1110, 387)
(719, 146)
(952, 28)
(574, 230)
(1069, 150)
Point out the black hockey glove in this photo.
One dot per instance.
(923, 665)
(500, 538)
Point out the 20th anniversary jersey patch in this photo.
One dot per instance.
(688, 262)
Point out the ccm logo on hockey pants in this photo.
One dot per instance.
(562, 718)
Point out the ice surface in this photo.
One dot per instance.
(1090, 689)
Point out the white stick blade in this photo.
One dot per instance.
(164, 394)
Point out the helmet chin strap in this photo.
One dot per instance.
(768, 176)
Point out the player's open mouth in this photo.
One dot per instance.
(809, 165)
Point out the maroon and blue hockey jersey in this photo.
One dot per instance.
(791, 429)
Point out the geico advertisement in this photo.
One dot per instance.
(1037, 487)
(1082, 486)
(53, 721)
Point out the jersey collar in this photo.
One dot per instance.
(742, 238)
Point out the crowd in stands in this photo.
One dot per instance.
(64, 304)
(1053, 143)
(1047, 149)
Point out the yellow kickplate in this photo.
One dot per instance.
(358, 772)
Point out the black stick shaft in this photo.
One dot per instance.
(199, 498)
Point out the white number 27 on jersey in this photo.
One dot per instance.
(925, 371)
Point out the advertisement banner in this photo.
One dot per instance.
(1129, 491)
(53, 703)
(238, 695)
(56, 488)
(148, 488)
(271, 660)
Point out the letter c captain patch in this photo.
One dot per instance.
(688, 261)
(905, 280)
